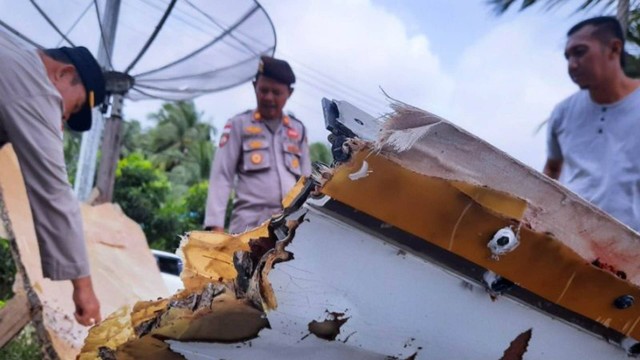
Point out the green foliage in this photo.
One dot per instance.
(23, 347)
(161, 178)
(167, 227)
(195, 202)
(140, 189)
(133, 138)
(501, 6)
(320, 152)
(180, 144)
(177, 217)
(7, 270)
(71, 144)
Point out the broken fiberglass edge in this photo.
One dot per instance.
(404, 256)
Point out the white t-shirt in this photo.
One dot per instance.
(600, 149)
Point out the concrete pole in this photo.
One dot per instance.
(111, 144)
(91, 139)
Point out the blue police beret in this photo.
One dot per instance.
(276, 69)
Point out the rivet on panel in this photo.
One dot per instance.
(624, 302)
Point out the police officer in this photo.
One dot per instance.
(39, 91)
(263, 152)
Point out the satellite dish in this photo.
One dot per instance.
(168, 50)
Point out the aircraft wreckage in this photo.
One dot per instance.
(422, 242)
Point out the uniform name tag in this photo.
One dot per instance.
(292, 133)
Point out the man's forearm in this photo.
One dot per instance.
(82, 282)
(553, 168)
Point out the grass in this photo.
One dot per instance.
(24, 346)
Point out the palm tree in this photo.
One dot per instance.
(179, 129)
(623, 7)
(627, 12)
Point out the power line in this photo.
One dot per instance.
(102, 36)
(334, 80)
(327, 86)
(74, 24)
(50, 22)
(329, 82)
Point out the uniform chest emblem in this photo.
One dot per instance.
(292, 133)
(256, 144)
(253, 130)
(225, 135)
(295, 163)
(223, 139)
(256, 159)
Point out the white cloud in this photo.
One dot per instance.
(507, 84)
(345, 50)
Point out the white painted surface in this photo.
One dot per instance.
(397, 303)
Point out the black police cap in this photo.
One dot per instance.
(276, 69)
(92, 78)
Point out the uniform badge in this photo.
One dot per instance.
(293, 149)
(295, 163)
(225, 134)
(292, 133)
(256, 159)
(253, 130)
(223, 140)
(256, 144)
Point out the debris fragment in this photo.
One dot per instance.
(321, 173)
(518, 347)
(225, 297)
(329, 328)
(362, 172)
(353, 145)
(496, 285)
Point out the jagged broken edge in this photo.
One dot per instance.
(160, 319)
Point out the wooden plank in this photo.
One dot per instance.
(14, 316)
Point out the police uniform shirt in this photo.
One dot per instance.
(265, 164)
(30, 119)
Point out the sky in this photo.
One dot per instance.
(497, 77)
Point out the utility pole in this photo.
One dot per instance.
(91, 139)
(111, 144)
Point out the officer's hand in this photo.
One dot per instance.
(87, 304)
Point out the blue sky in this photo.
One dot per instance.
(432, 16)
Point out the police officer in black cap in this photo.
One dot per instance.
(40, 90)
(266, 150)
